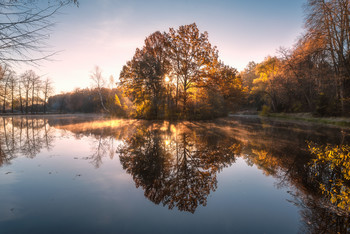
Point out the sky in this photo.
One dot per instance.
(106, 33)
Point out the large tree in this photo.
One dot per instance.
(191, 55)
(178, 74)
(328, 24)
(143, 76)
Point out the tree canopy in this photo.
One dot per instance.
(177, 74)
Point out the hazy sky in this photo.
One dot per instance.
(107, 32)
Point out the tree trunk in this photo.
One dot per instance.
(27, 99)
(32, 107)
(101, 99)
(45, 103)
(12, 101)
(4, 100)
(20, 98)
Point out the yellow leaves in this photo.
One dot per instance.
(265, 161)
(336, 158)
(235, 148)
(268, 69)
(143, 107)
(333, 199)
(117, 101)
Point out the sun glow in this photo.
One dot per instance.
(166, 79)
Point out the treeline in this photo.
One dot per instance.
(178, 75)
(24, 93)
(314, 75)
(89, 101)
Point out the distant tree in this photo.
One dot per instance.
(13, 84)
(266, 83)
(98, 83)
(26, 80)
(6, 74)
(228, 84)
(47, 89)
(88, 101)
(248, 75)
(20, 94)
(35, 85)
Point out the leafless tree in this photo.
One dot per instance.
(25, 26)
(12, 86)
(5, 80)
(47, 90)
(25, 80)
(35, 80)
(98, 82)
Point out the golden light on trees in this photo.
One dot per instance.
(166, 79)
(194, 89)
(335, 185)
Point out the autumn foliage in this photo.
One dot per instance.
(177, 74)
(314, 75)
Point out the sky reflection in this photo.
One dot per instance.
(93, 175)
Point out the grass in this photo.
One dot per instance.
(307, 117)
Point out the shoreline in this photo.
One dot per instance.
(303, 117)
(298, 117)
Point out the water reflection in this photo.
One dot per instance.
(176, 168)
(23, 137)
(177, 164)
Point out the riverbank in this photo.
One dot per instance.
(306, 117)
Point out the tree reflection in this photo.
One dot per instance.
(176, 169)
(146, 159)
(23, 136)
(103, 134)
(318, 216)
(101, 147)
(312, 173)
(317, 176)
(28, 136)
(177, 165)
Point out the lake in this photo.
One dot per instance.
(241, 174)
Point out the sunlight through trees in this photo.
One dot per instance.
(178, 75)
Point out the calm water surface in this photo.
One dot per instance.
(76, 174)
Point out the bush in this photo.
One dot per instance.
(265, 111)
